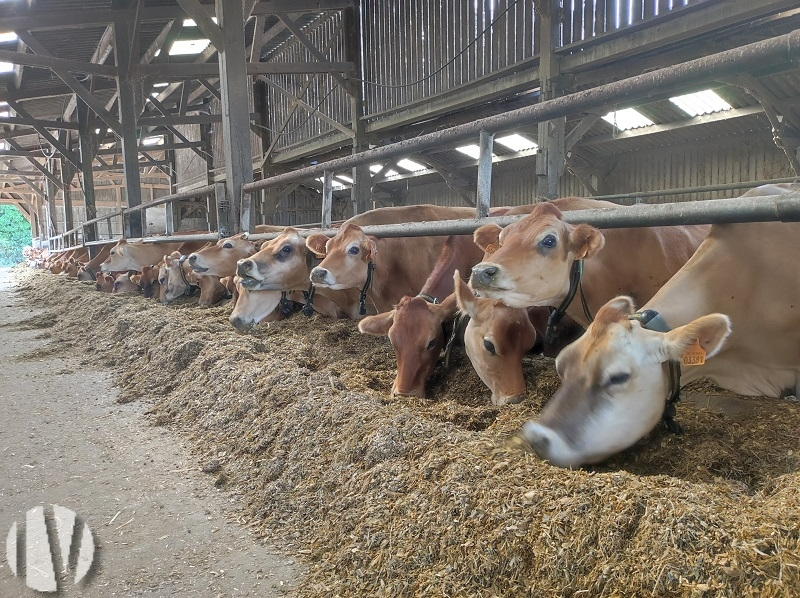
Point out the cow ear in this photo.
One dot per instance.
(136, 278)
(705, 335)
(464, 296)
(487, 238)
(168, 261)
(371, 248)
(377, 325)
(585, 241)
(122, 242)
(316, 243)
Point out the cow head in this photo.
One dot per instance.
(125, 283)
(105, 282)
(529, 262)
(212, 290)
(414, 327)
(220, 259)
(280, 265)
(345, 258)
(252, 307)
(149, 281)
(118, 258)
(615, 380)
(71, 269)
(496, 338)
(176, 281)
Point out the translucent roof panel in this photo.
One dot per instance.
(702, 102)
(6, 67)
(473, 151)
(627, 118)
(8, 36)
(376, 168)
(410, 165)
(516, 142)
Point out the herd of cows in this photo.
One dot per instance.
(661, 306)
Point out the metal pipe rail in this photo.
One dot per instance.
(781, 49)
(700, 189)
(767, 208)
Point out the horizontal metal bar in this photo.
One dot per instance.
(784, 48)
(175, 238)
(700, 189)
(199, 192)
(768, 208)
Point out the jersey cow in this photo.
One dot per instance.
(616, 377)
(136, 255)
(91, 269)
(533, 261)
(383, 269)
(284, 264)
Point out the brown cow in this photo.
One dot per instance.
(90, 269)
(531, 260)
(126, 283)
(105, 282)
(384, 269)
(284, 264)
(137, 255)
(415, 325)
(149, 281)
(220, 259)
(615, 377)
(253, 307)
(180, 280)
(496, 339)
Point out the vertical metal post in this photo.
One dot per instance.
(483, 194)
(550, 159)
(362, 183)
(327, 198)
(87, 143)
(224, 213)
(110, 229)
(237, 150)
(126, 87)
(50, 208)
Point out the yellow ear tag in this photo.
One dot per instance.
(694, 355)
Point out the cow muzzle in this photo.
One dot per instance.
(194, 265)
(320, 276)
(484, 275)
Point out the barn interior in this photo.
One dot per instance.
(137, 118)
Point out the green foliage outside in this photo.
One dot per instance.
(15, 233)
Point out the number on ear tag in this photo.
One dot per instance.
(694, 355)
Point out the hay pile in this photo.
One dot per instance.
(429, 497)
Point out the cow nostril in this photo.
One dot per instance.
(192, 259)
(489, 271)
(245, 264)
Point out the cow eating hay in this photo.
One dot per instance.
(413, 497)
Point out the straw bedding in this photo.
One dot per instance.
(434, 497)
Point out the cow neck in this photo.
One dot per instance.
(308, 296)
(652, 320)
(191, 288)
(362, 298)
(557, 314)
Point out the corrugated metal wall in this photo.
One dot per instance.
(667, 168)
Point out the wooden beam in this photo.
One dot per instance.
(201, 17)
(314, 111)
(101, 53)
(49, 62)
(275, 6)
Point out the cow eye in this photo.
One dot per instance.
(618, 379)
(353, 250)
(431, 344)
(228, 246)
(116, 285)
(489, 346)
(162, 280)
(549, 242)
(286, 249)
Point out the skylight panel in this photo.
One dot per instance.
(155, 140)
(516, 142)
(186, 47)
(410, 165)
(344, 178)
(376, 168)
(702, 102)
(472, 150)
(8, 36)
(334, 183)
(627, 118)
(6, 67)
(191, 23)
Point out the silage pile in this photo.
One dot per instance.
(432, 497)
